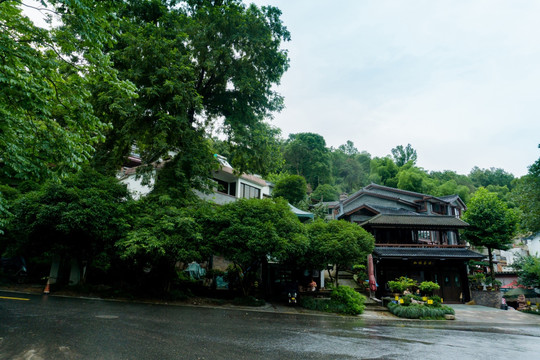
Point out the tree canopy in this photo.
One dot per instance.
(528, 269)
(248, 232)
(293, 188)
(337, 242)
(403, 155)
(306, 154)
(198, 66)
(47, 122)
(491, 224)
(526, 194)
(79, 217)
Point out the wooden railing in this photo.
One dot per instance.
(420, 245)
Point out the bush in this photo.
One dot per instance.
(401, 284)
(343, 300)
(418, 311)
(428, 287)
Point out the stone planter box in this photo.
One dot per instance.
(487, 298)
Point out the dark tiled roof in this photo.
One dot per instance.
(427, 253)
(392, 211)
(416, 220)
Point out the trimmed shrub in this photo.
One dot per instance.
(428, 287)
(343, 300)
(418, 311)
(401, 284)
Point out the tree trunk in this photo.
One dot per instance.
(491, 271)
(337, 276)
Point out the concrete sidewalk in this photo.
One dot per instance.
(484, 314)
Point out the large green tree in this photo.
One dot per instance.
(491, 224)
(491, 176)
(293, 188)
(384, 171)
(306, 154)
(337, 242)
(199, 66)
(526, 194)
(162, 233)
(248, 232)
(403, 155)
(350, 167)
(80, 217)
(47, 122)
(528, 269)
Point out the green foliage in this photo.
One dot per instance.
(401, 284)
(403, 155)
(350, 301)
(528, 269)
(526, 195)
(325, 192)
(306, 154)
(292, 188)
(491, 176)
(350, 168)
(428, 287)
(411, 179)
(384, 171)
(163, 233)
(49, 126)
(80, 217)
(246, 232)
(420, 311)
(337, 242)
(492, 224)
(343, 300)
(477, 279)
(199, 66)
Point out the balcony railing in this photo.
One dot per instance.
(420, 245)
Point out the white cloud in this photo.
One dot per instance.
(459, 80)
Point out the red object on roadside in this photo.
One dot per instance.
(371, 274)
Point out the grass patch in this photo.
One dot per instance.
(420, 311)
(530, 311)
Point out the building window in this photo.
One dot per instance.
(250, 192)
(225, 187)
(424, 236)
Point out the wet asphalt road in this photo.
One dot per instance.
(48, 327)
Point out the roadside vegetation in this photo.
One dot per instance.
(175, 82)
(414, 300)
(343, 300)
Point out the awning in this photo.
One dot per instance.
(425, 253)
(301, 213)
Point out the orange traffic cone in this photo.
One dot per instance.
(47, 288)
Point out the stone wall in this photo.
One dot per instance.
(487, 298)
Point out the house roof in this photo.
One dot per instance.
(301, 213)
(426, 253)
(439, 221)
(253, 178)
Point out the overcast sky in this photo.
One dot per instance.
(458, 80)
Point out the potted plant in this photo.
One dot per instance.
(401, 284)
(428, 287)
(477, 280)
